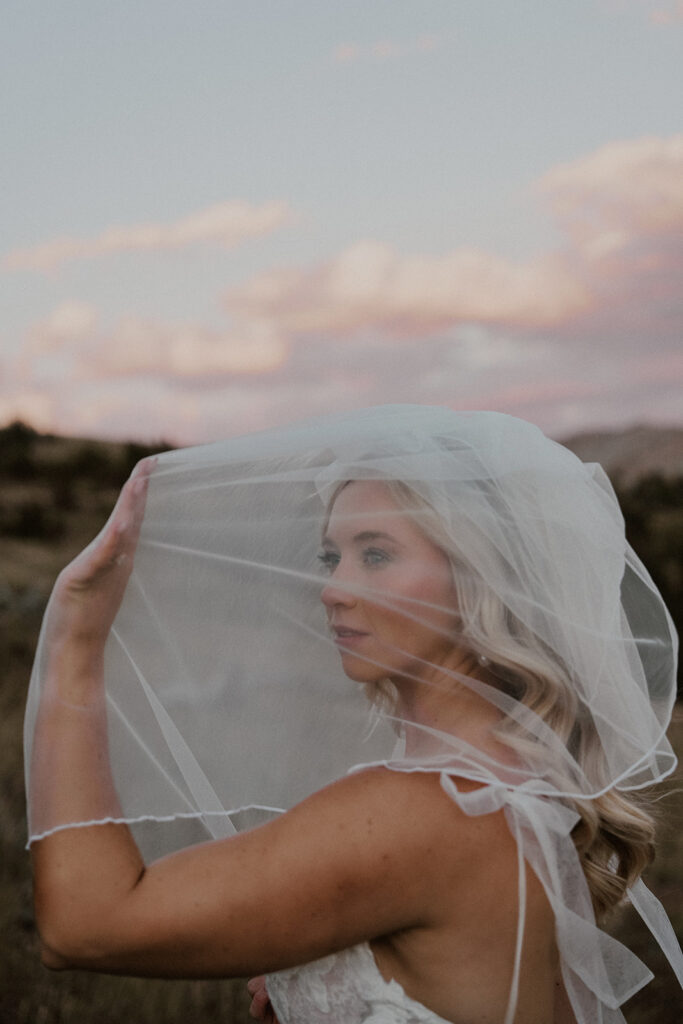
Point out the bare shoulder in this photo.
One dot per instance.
(387, 803)
(405, 828)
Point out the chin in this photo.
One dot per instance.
(380, 691)
(377, 681)
(361, 671)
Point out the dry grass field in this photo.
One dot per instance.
(48, 511)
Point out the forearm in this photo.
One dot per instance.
(80, 874)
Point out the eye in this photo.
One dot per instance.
(329, 560)
(375, 556)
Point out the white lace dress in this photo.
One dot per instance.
(345, 988)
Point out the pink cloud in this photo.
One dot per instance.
(71, 321)
(227, 224)
(621, 192)
(563, 388)
(668, 15)
(588, 334)
(427, 42)
(31, 405)
(657, 367)
(621, 209)
(346, 52)
(541, 391)
(182, 352)
(385, 49)
(70, 339)
(369, 286)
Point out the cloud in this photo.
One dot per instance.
(561, 387)
(345, 53)
(185, 352)
(623, 192)
(70, 343)
(669, 14)
(227, 224)
(371, 287)
(661, 14)
(385, 49)
(586, 334)
(31, 405)
(70, 321)
(620, 210)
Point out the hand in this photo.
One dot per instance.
(90, 589)
(261, 1007)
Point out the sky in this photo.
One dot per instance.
(219, 217)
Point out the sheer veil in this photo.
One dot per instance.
(227, 698)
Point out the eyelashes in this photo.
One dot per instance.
(328, 560)
(375, 556)
(371, 558)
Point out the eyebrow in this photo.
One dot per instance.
(365, 535)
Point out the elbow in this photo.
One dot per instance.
(59, 944)
(76, 932)
(51, 959)
(69, 951)
(65, 943)
(53, 947)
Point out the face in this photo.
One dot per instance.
(372, 545)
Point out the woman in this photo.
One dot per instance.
(519, 665)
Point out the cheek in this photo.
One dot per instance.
(434, 585)
(440, 609)
(420, 599)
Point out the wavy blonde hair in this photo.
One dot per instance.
(615, 835)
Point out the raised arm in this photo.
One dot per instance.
(346, 865)
(70, 775)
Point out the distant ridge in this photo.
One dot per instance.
(628, 455)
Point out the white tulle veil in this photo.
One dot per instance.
(227, 702)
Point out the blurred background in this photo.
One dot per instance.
(218, 217)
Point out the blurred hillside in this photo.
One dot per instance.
(55, 494)
(629, 455)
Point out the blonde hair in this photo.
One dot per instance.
(616, 832)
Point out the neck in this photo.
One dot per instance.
(441, 701)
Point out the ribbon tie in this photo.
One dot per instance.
(599, 973)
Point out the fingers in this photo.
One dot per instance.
(260, 1008)
(129, 513)
(89, 591)
(115, 546)
(134, 494)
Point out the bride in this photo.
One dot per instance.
(515, 661)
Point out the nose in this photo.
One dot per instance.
(334, 595)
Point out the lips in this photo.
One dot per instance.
(346, 633)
